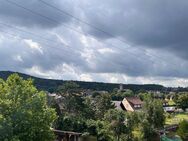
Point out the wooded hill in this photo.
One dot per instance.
(51, 84)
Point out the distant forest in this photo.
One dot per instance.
(51, 85)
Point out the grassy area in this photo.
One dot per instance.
(171, 102)
(137, 133)
(176, 118)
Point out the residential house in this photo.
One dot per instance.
(169, 109)
(132, 103)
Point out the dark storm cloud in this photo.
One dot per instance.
(154, 34)
(21, 53)
(10, 12)
(141, 65)
(149, 23)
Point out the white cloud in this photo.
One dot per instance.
(37, 71)
(68, 72)
(18, 58)
(106, 50)
(33, 45)
(86, 77)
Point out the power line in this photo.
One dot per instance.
(65, 51)
(43, 16)
(69, 53)
(39, 36)
(31, 33)
(21, 30)
(89, 24)
(14, 35)
(78, 19)
(55, 21)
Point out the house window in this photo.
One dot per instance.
(137, 105)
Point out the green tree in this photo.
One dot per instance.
(153, 117)
(101, 129)
(154, 113)
(128, 93)
(101, 104)
(147, 130)
(72, 123)
(120, 95)
(182, 101)
(72, 101)
(75, 109)
(68, 87)
(24, 114)
(183, 130)
(91, 127)
(133, 121)
(103, 132)
(145, 96)
(116, 120)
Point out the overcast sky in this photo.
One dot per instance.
(124, 41)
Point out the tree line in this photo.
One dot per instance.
(27, 114)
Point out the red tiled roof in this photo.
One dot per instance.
(134, 100)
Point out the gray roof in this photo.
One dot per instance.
(117, 104)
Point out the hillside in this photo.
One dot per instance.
(52, 84)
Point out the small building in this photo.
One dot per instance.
(87, 92)
(165, 103)
(118, 105)
(132, 104)
(169, 109)
(67, 135)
